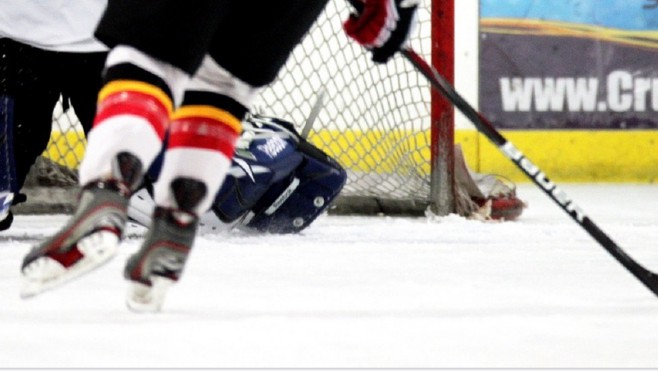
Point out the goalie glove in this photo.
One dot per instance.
(382, 26)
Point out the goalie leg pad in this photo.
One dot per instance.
(293, 203)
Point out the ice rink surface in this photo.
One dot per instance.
(363, 292)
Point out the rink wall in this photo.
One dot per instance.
(574, 85)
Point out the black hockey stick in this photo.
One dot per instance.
(648, 278)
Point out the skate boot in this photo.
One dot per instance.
(92, 235)
(160, 261)
(89, 239)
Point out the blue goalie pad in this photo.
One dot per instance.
(266, 154)
(292, 204)
(277, 182)
(248, 180)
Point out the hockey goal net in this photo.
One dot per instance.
(383, 123)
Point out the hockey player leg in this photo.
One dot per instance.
(29, 92)
(201, 143)
(160, 261)
(128, 133)
(7, 164)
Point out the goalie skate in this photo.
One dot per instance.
(89, 240)
(160, 261)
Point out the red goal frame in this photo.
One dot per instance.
(442, 180)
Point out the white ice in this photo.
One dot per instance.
(363, 292)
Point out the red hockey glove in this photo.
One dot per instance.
(381, 25)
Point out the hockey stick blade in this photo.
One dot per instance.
(648, 278)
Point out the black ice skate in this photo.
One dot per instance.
(160, 261)
(88, 240)
(92, 235)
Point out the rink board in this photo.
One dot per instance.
(564, 155)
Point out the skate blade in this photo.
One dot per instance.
(148, 299)
(46, 273)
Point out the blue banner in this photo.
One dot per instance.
(636, 15)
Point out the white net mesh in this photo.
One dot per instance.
(376, 118)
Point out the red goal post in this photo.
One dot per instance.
(383, 123)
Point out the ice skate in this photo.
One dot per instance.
(161, 260)
(92, 235)
(87, 241)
